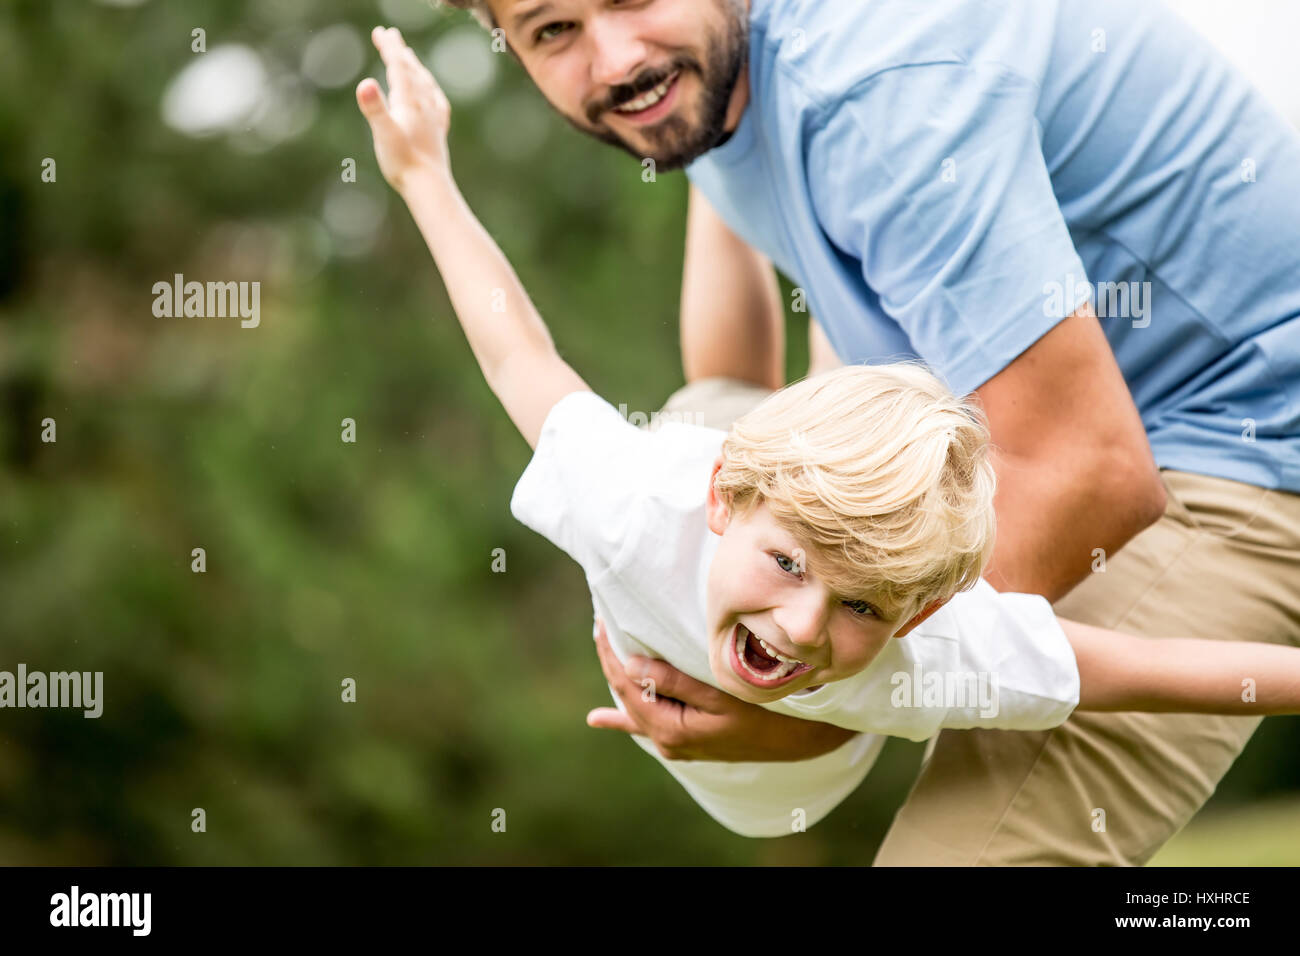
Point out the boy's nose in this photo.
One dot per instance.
(804, 622)
(617, 53)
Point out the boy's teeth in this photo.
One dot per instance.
(781, 670)
(773, 653)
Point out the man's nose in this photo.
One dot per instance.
(617, 53)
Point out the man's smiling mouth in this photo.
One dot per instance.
(756, 662)
(646, 102)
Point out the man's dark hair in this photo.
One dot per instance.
(477, 7)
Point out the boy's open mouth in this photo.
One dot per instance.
(758, 664)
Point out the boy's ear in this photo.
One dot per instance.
(717, 508)
(921, 615)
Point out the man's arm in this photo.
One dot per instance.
(1074, 467)
(1120, 672)
(732, 319)
(509, 339)
(821, 354)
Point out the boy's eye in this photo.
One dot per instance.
(861, 608)
(789, 565)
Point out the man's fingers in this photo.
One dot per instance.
(668, 681)
(641, 674)
(611, 718)
(609, 662)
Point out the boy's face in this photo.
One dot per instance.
(591, 59)
(763, 589)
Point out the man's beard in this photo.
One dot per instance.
(675, 142)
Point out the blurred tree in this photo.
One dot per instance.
(325, 560)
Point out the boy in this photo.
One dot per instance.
(822, 560)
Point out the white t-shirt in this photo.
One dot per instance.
(629, 506)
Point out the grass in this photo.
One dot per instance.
(1264, 834)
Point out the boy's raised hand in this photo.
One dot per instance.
(410, 129)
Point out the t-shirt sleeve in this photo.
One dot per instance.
(933, 176)
(578, 489)
(597, 485)
(1017, 668)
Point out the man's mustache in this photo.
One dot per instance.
(627, 92)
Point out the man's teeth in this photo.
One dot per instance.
(647, 100)
(787, 665)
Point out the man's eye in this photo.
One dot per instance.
(542, 35)
(860, 608)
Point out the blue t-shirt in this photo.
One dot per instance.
(948, 179)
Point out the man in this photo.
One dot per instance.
(972, 184)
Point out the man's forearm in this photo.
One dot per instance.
(732, 317)
(1075, 470)
(1054, 523)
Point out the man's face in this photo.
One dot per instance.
(764, 602)
(655, 77)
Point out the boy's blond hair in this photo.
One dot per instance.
(882, 471)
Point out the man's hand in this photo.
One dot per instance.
(410, 130)
(688, 720)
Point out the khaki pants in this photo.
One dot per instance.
(1223, 563)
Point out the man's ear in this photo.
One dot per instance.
(921, 616)
(717, 507)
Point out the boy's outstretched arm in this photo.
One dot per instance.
(1120, 672)
(509, 339)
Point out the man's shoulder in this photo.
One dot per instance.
(833, 50)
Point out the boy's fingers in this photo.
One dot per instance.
(418, 70)
(371, 100)
(386, 42)
(611, 718)
(370, 97)
(391, 47)
(422, 77)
